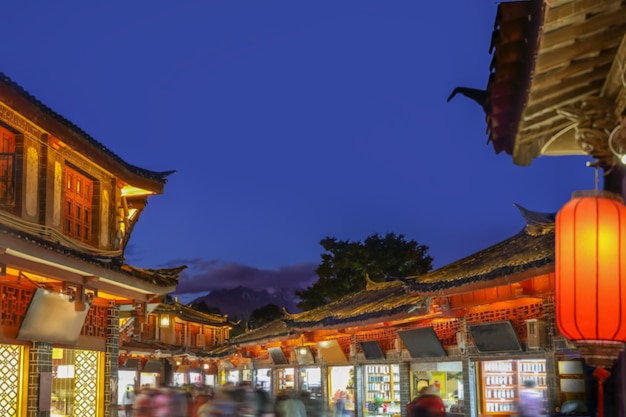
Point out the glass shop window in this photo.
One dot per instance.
(74, 382)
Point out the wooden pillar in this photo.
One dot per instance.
(111, 360)
(405, 385)
(325, 393)
(470, 388)
(359, 395)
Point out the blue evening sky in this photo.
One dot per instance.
(287, 121)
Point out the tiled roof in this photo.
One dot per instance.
(151, 346)
(189, 314)
(274, 329)
(221, 351)
(520, 253)
(380, 301)
(162, 277)
(8, 82)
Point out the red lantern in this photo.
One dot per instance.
(590, 260)
(591, 268)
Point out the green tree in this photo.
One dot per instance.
(345, 263)
(263, 315)
(203, 307)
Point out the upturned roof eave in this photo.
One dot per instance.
(189, 314)
(340, 324)
(17, 98)
(290, 335)
(489, 282)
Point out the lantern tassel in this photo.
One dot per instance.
(601, 374)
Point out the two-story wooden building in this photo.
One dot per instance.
(67, 208)
(169, 347)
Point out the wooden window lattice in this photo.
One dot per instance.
(14, 303)
(95, 322)
(7, 167)
(86, 383)
(516, 315)
(385, 337)
(9, 379)
(78, 205)
(446, 331)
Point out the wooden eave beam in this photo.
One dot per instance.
(546, 121)
(559, 57)
(544, 132)
(588, 28)
(546, 79)
(42, 261)
(616, 76)
(587, 80)
(538, 107)
(569, 12)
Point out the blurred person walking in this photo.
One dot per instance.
(290, 405)
(530, 400)
(128, 400)
(427, 404)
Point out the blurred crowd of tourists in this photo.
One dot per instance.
(228, 400)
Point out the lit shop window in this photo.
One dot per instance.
(74, 382)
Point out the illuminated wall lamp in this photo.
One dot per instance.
(164, 321)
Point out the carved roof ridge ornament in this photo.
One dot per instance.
(594, 120)
(537, 223)
(288, 315)
(371, 285)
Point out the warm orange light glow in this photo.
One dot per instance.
(590, 272)
(130, 191)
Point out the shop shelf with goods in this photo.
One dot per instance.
(499, 387)
(534, 370)
(382, 389)
(502, 381)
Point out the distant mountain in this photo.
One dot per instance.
(239, 302)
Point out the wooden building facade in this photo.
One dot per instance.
(168, 347)
(67, 208)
